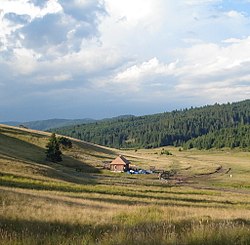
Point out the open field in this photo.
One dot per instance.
(77, 202)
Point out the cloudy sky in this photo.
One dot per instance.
(103, 58)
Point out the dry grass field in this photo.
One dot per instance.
(76, 201)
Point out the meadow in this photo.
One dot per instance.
(76, 201)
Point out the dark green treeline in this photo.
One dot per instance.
(204, 127)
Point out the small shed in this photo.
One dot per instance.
(120, 164)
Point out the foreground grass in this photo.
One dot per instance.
(145, 233)
(60, 222)
(100, 215)
(47, 203)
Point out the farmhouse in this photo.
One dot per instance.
(120, 164)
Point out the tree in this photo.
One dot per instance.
(53, 152)
(65, 142)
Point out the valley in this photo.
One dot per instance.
(76, 201)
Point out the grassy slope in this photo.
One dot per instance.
(47, 203)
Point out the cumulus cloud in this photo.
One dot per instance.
(55, 27)
(146, 75)
(88, 11)
(145, 70)
(134, 53)
(220, 75)
(15, 15)
(207, 70)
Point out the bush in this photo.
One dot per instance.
(65, 142)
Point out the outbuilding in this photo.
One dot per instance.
(120, 164)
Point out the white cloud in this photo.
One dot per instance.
(15, 14)
(205, 71)
(54, 26)
(198, 2)
(26, 7)
(145, 70)
(131, 12)
(24, 61)
(58, 78)
(231, 40)
(221, 73)
(84, 10)
(143, 50)
(234, 14)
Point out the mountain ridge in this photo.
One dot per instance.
(58, 122)
(49, 123)
(163, 129)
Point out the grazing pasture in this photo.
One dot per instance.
(76, 201)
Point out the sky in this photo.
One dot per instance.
(104, 58)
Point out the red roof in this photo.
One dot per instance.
(120, 160)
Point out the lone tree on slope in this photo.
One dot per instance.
(53, 152)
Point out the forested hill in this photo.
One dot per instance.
(169, 128)
(226, 137)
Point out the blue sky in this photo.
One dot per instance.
(104, 58)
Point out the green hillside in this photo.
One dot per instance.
(23, 153)
(171, 128)
(226, 137)
(77, 201)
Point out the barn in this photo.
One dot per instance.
(120, 164)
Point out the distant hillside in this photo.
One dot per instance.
(50, 123)
(45, 125)
(170, 128)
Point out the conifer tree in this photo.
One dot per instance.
(53, 152)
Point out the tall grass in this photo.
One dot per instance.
(49, 217)
(131, 230)
(47, 203)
